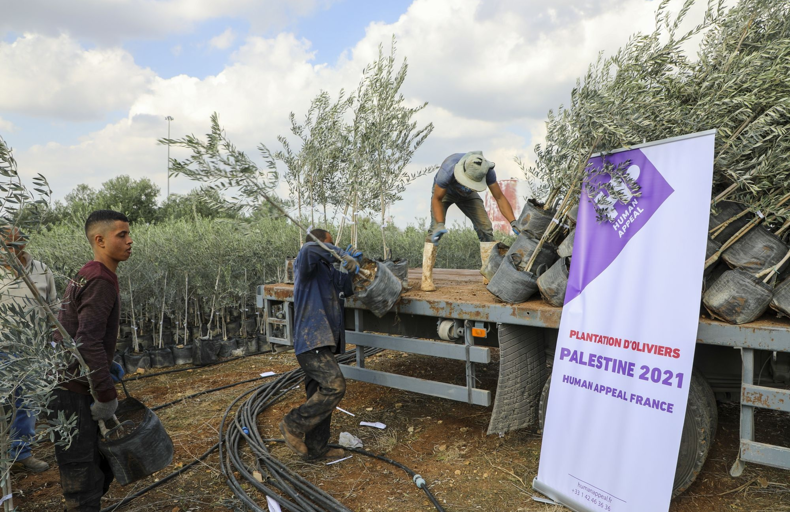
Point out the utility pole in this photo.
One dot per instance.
(168, 119)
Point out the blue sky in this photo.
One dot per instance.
(93, 80)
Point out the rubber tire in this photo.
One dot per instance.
(699, 430)
(522, 372)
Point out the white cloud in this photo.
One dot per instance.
(6, 126)
(224, 40)
(176, 50)
(490, 70)
(111, 22)
(56, 77)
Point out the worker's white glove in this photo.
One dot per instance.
(350, 264)
(104, 410)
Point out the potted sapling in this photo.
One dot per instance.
(137, 358)
(205, 348)
(161, 356)
(182, 353)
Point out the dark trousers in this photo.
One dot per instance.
(85, 475)
(325, 387)
(473, 208)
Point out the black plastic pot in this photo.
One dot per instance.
(400, 269)
(534, 220)
(724, 212)
(250, 345)
(554, 281)
(182, 354)
(161, 357)
(712, 274)
(194, 332)
(226, 348)
(524, 247)
(233, 328)
(122, 345)
(380, 295)
(204, 351)
(142, 449)
(565, 249)
(737, 297)
(711, 249)
(756, 251)
(135, 360)
(263, 343)
(781, 299)
(145, 341)
(250, 325)
(167, 337)
(494, 260)
(512, 285)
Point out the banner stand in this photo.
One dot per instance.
(625, 347)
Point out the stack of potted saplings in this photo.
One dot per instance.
(748, 257)
(534, 264)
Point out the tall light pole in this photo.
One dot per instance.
(168, 119)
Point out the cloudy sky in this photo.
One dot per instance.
(87, 84)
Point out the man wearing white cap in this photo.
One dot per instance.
(458, 181)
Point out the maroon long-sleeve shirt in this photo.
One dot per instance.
(90, 314)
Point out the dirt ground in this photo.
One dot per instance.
(444, 441)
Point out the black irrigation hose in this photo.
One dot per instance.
(207, 391)
(193, 367)
(287, 488)
(161, 481)
(306, 496)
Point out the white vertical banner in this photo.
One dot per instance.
(625, 349)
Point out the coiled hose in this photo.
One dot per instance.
(287, 488)
(282, 483)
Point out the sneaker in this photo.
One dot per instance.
(32, 464)
(293, 441)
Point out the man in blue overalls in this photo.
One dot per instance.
(319, 334)
(458, 181)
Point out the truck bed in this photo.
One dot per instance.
(461, 294)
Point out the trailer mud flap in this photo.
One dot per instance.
(522, 373)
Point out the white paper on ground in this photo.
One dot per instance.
(377, 424)
(338, 460)
(268, 374)
(345, 411)
(273, 505)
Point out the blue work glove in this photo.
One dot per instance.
(514, 225)
(351, 251)
(116, 372)
(438, 232)
(350, 264)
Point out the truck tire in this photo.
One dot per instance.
(699, 429)
(522, 372)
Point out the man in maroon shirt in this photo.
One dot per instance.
(90, 314)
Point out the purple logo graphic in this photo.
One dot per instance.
(597, 244)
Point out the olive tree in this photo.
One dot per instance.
(30, 366)
(385, 137)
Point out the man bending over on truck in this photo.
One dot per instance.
(91, 314)
(458, 181)
(319, 334)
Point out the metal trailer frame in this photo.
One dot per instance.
(760, 335)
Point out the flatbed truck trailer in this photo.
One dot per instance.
(461, 320)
